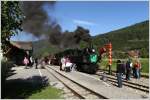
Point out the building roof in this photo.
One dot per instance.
(22, 45)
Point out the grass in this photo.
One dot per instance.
(47, 93)
(24, 89)
(144, 63)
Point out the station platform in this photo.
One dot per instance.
(101, 87)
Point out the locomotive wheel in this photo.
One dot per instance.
(90, 68)
(79, 67)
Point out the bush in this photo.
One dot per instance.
(119, 55)
(144, 53)
(5, 68)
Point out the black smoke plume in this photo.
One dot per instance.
(38, 23)
(36, 19)
(72, 39)
(55, 35)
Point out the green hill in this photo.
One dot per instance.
(135, 37)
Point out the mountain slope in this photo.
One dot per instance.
(128, 38)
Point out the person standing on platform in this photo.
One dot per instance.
(140, 67)
(137, 69)
(63, 64)
(119, 71)
(134, 70)
(36, 62)
(128, 69)
(26, 62)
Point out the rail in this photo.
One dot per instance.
(74, 86)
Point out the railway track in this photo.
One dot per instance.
(113, 73)
(77, 89)
(127, 83)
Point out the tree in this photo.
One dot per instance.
(12, 18)
(144, 53)
(83, 44)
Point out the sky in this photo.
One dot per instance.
(98, 16)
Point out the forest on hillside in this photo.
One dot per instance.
(135, 37)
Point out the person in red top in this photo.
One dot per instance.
(137, 67)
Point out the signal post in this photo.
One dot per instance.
(109, 48)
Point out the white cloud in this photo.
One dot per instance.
(83, 22)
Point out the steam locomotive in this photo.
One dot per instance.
(85, 59)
